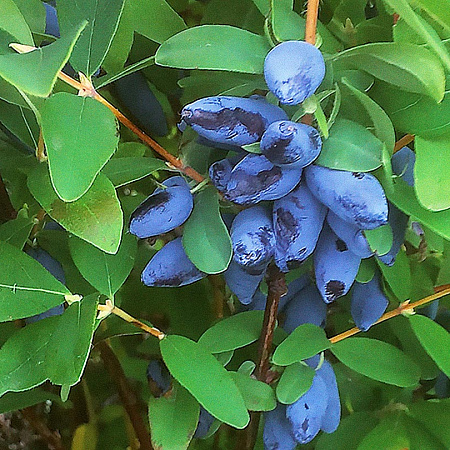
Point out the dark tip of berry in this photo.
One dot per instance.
(341, 245)
(334, 289)
(358, 175)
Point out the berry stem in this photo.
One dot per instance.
(404, 307)
(189, 171)
(405, 140)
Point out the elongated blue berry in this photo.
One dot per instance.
(306, 306)
(278, 434)
(355, 197)
(306, 414)
(398, 221)
(163, 210)
(136, 96)
(231, 120)
(297, 219)
(368, 303)
(158, 377)
(170, 267)
(220, 173)
(205, 420)
(242, 283)
(253, 238)
(403, 164)
(51, 21)
(350, 234)
(332, 416)
(255, 179)
(293, 71)
(291, 144)
(335, 266)
(55, 268)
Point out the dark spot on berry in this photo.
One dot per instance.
(314, 138)
(358, 175)
(341, 246)
(286, 225)
(334, 289)
(155, 201)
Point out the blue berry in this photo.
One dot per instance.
(335, 266)
(136, 96)
(403, 164)
(350, 234)
(205, 420)
(231, 120)
(306, 414)
(291, 144)
(368, 303)
(278, 434)
(297, 219)
(332, 416)
(255, 179)
(242, 283)
(170, 267)
(293, 71)
(253, 239)
(355, 197)
(51, 21)
(163, 210)
(220, 173)
(158, 377)
(306, 306)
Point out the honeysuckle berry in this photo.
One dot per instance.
(231, 120)
(293, 71)
(287, 143)
(242, 283)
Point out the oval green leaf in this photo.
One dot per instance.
(105, 272)
(380, 239)
(398, 276)
(22, 70)
(233, 332)
(350, 146)
(294, 382)
(431, 172)
(205, 378)
(214, 47)
(410, 67)
(80, 133)
(434, 339)
(26, 287)
(258, 396)
(377, 360)
(14, 23)
(96, 217)
(205, 236)
(305, 341)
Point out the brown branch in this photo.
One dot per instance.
(7, 211)
(218, 287)
(405, 140)
(53, 439)
(312, 12)
(126, 394)
(402, 308)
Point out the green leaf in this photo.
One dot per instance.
(305, 341)
(21, 122)
(13, 22)
(33, 12)
(434, 339)
(14, 401)
(366, 270)
(96, 217)
(404, 198)
(205, 236)
(410, 67)
(350, 433)
(214, 47)
(36, 72)
(125, 170)
(80, 133)
(16, 232)
(26, 287)
(398, 276)
(368, 112)
(377, 360)
(205, 378)
(294, 382)
(380, 239)
(434, 415)
(350, 146)
(54, 349)
(173, 419)
(431, 172)
(233, 332)
(439, 10)
(105, 272)
(102, 18)
(286, 23)
(422, 28)
(258, 396)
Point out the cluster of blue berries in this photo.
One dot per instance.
(291, 209)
